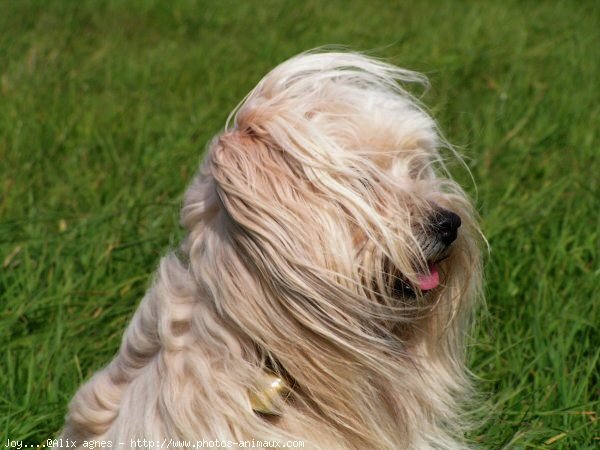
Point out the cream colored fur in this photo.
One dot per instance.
(305, 209)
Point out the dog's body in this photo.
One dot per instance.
(323, 247)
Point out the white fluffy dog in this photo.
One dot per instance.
(324, 289)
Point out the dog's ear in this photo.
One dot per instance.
(252, 176)
(234, 172)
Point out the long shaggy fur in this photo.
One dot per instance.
(307, 208)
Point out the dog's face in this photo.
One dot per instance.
(328, 212)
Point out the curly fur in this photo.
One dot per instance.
(308, 207)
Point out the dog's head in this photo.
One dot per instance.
(329, 188)
(324, 225)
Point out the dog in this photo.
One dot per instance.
(325, 286)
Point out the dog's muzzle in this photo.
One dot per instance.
(441, 232)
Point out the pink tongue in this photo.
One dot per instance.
(431, 280)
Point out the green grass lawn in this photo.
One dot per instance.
(105, 109)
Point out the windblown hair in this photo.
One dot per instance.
(307, 209)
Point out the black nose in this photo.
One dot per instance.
(446, 225)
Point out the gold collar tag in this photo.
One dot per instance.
(264, 400)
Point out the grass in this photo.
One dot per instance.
(105, 108)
